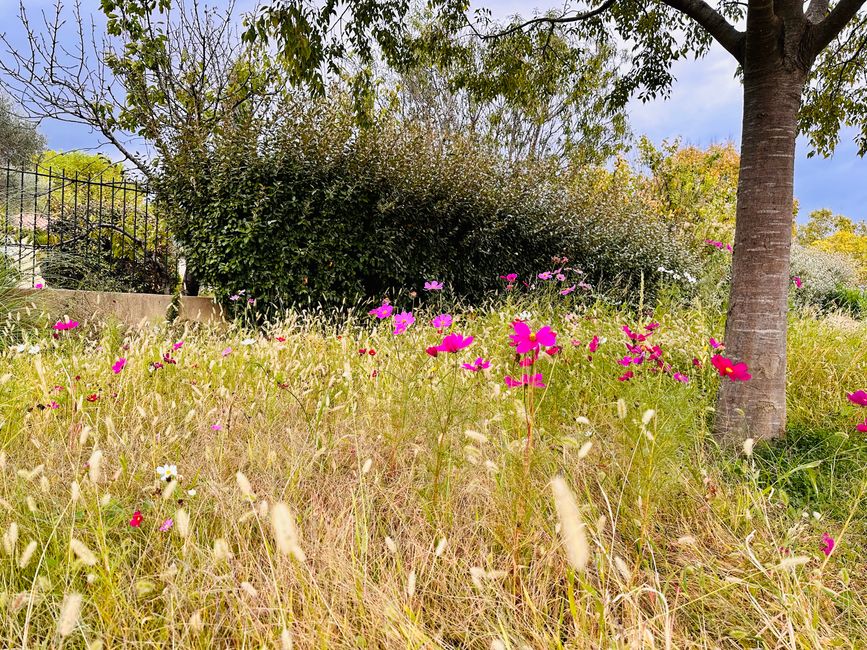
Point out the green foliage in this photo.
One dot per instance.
(308, 208)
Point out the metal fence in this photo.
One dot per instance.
(83, 231)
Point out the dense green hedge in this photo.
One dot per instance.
(310, 208)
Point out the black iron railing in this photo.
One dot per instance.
(84, 232)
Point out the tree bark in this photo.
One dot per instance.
(757, 314)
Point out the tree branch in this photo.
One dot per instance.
(550, 20)
(827, 30)
(713, 22)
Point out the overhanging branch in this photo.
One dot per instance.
(827, 30)
(551, 20)
(714, 23)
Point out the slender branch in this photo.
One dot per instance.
(551, 20)
(827, 30)
(712, 21)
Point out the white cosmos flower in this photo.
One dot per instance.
(167, 472)
(248, 341)
(34, 349)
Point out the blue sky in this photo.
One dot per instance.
(704, 108)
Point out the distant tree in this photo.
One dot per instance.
(824, 223)
(531, 94)
(694, 188)
(19, 138)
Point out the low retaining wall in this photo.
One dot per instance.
(129, 308)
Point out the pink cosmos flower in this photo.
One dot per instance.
(178, 345)
(827, 545)
(625, 361)
(455, 342)
(594, 344)
(478, 364)
(526, 380)
(524, 339)
(626, 376)
(728, 368)
(403, 320)
(861, 426)
(529, 360)
(567, 290)
(560, 277)
(441, 322)
(716, 344)
(216, 427)
(798, 282)
(119, 365)
(510, 277)
(859, 397)
(433, 350)
(226, 352)
(53, 405)
(136, 520)
(62, 326)
(433, 285)
(382, 312)
(651, 326)
(545, 275)
(166, 525)
(633, 335)
(681, 378)
(39, 285)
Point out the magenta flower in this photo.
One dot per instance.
(119, 365)
(651, 326)
(53, 405)
(524, 339)
(862, 426)
(39, 285)
(166, 525)
(626, 376)
(403, 320)
(216, 427)
(567, 290)
(526, 380)
(478, 364)
(433, 350)
(441, 322)
(545, 275)
(859, 397)
(510, 277)
(62, 326)
(382, 312)
(633, 335)
(594, 344)
(798, 282)
(681, 378)
(455, 342)
(728, 368)
(433, 285)
(716, 344)
(828, 544)
(178, 345)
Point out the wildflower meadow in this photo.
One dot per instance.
(534, 472)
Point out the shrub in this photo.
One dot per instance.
(823, 275)
(307, 208)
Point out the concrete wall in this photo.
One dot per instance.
(129, 308)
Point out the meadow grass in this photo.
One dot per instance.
(329, 498)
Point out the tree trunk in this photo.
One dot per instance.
(756, 324)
